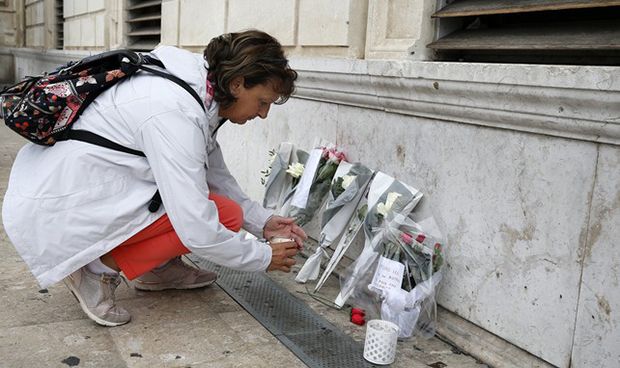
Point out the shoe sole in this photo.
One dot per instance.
(149, 287)
(90, 315)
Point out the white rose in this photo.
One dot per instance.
(295, 170)
(391, 198)
(382, 209)
(347, 180)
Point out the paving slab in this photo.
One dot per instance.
(58, 344)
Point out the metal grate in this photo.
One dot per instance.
(313, 339)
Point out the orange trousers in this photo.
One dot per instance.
(158, 242)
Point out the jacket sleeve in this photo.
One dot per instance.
(222, 182)
(175, 148)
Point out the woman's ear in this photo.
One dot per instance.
(236, 86)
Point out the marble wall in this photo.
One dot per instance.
(517, 211)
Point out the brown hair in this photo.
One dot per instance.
(253, 55)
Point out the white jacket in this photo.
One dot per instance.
(68, 204)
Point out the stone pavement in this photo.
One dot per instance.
(197, 328)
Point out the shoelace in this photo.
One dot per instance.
(112, 281)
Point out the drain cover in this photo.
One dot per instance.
(313, 339)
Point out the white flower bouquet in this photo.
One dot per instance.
(314, 184)
(390, 202)
(398, 272)
(347, 188)
(413, 258)
(283, 173)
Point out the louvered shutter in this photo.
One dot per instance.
(538, 31)
(144, 24)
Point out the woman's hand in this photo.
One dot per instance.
(284, 227)
(282, 256)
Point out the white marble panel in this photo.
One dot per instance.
(87, 29)
(68, 8)
(597, 339)
(39, 36)
(73, 36)
(7, 29)
(95, 5)
(29, 12)
(65, 30)
(201, 21)
(34, 14)
(246, 147)
(513, 208)
(39, 12)
(34, 36)
(402, 17)
(7, 72)
(399, 29)
(80, 7)
(30, 37)
(170, 22)
(276, 17)
(100, 30)
(323, 23)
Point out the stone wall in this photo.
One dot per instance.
(11, 32)
(519, 166)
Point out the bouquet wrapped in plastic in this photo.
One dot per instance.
(277, 182)
(406, 278)
(282, 176)
(347, 188)
(398, 272)
(314, 184)
(389, 203)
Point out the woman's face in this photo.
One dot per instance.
(251, 102)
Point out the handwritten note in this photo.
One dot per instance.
(389, 274)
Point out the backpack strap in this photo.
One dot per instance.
(89, 137)
(176, 80)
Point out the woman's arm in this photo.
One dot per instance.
(175, 148)
(220, 181)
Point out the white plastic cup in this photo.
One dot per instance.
(381, 340)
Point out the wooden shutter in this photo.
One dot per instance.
(569, 31)
(144, 24)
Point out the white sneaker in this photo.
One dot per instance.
(95, 293)
(175, 274)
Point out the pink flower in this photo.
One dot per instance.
(406, 238)
(420, 238)
(336, 156)
(325, 152)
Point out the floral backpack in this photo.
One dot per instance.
(43, 108)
